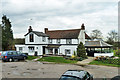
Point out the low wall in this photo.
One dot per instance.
(103, 54)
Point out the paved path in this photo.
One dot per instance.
(37, 58)
(86, 61)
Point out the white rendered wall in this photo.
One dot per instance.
(103, 54)
(37, 39)
(63, 41)
(71, 47)
(24, 50)
(38, 48)
(81, 36)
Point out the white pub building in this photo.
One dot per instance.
(58, 42)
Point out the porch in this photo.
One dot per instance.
(52, 50)
(98, 48)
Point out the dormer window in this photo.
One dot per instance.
(31, 38)
(58, 41)
(43, 39)
(68, 41)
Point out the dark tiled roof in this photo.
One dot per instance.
(65, 34)
(38, 33)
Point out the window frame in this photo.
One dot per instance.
(9, 53)
(31, 49)
(31, 37)
(66, 51)
(68, 41)
(58, 41)
(43, 39)
(20, 48)
(50, 40)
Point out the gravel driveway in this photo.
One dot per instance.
(32, 69)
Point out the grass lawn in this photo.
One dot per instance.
(101, 63)
(57, 60)
(32, 57)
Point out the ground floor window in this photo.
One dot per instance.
(31, 49)
(20, 49)
(67, 51)
(50, 50)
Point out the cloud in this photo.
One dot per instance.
(61, 14)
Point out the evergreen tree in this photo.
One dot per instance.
(81, 52)
(7, 33)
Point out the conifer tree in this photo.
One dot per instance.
(7, 33)
(81, 52)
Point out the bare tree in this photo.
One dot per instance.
(112, 36)
(96, 34)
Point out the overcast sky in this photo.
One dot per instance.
(61, 14)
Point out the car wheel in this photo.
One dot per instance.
(10, 60)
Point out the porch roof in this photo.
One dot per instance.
(97, 44)
(53, 46)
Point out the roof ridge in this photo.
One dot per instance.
(63, 30)
(36, 31)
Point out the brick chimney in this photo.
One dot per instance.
(30, 29)
(83, 27)
(46, 30)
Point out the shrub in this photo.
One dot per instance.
(117, 52)
(78, 58)
(75, 53)
(81, 52)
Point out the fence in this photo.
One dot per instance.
(111, 61)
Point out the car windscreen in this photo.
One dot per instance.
(69, 78)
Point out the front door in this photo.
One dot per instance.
(43, 49)
(56, 51)
(36, 53)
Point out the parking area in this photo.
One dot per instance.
(32, 69)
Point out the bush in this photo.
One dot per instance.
(81, 52)
(75, 53)
(117, 52)
(78, 58)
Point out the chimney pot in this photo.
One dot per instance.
(30, 29)
(46, 30)
(83, 27)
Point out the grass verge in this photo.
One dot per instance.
(101, 63)
(57, 60)
(32, 57)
